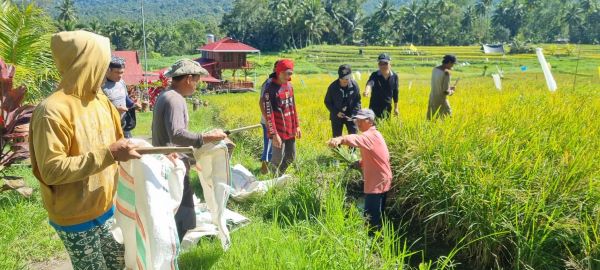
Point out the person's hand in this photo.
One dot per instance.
(341, 115)
(277, 141)
(450, 90)
(123, 150)
(122, 109)
(298, 133)
(214, 136)
(396, 111)
(367, 92)
(334, 142)
(173, 157)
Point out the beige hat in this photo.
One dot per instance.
(186, 67)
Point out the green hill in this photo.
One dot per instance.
(155, 11)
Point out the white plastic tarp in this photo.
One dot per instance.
(496, 48)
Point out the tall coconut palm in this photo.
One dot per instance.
(573, 18)
(67, 11)
(25, 43)
(315, 20)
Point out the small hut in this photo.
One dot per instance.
(227, 54)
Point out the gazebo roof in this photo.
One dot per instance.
(228, 45)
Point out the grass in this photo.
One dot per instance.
(25, 235)
(511, 181)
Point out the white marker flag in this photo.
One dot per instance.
(546, 68)
(497, 81)
(410, 85)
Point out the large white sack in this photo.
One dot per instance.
(148, 194)
(215, 177)
(245, 186)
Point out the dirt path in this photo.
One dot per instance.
(54, 264)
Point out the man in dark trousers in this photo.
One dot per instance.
(267, 152)
(382, 87)
(281, 116)
(170, 123)
(343, 101)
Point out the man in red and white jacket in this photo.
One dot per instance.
(281, 116)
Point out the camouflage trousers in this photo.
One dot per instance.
(94, 249)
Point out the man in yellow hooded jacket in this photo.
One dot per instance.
(75, 143)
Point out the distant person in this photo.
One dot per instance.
(441, 89)
(116, 91)
(343, 101)
(375, 164)
(382, 87)
(281, 116)
(75, 141)
(267, 152)
(170, 128)
(129, 120)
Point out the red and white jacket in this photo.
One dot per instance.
(280, 109)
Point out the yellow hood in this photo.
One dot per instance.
(82, 59)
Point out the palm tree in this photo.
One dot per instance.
(573, 18)
(377, 28)
(67, 11)
(481, 9)
(95, 26)
(286, 21)
(315, 20)
(25, 43)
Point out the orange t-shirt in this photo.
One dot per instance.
(375, 161)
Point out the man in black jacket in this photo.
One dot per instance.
(343, 101)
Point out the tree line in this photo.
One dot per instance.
(274, 25)
(177, 37)
(290, 24)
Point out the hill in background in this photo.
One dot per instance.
(155, 11)
(160, 10)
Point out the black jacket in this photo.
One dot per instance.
(342, 100)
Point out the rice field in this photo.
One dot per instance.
(511, 181)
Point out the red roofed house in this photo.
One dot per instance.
(226, 54)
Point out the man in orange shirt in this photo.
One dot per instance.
(375, 164)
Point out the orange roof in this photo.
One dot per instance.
(228, 45)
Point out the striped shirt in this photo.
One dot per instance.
(280, 109)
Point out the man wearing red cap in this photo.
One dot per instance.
(281, 116)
